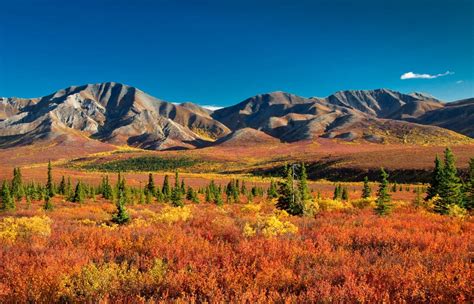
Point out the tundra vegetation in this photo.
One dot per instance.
(237, 241)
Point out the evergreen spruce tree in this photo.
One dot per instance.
(254, 190)
(79, 193)
(208, 195)
(107, 191)
(148, 197)
(436, 177)
(166, 189)
(49, 183)
(383, 203)
(17, 190)
(183, 187)
(249, 197)
(345, 194)
(150, 187)
(176, 181)
(159, 195)
(337, 192)
(62, 186)
(243, 189)
(121, 217)
(235, 192)
(228, 191)
(289, 198)
(218, 199)
(8, 203)
(449, 186)
(237, 186)
(191, 195)
(48, 205)
(68, 187)
(176, 197)
(176, 194)
(303, 188)
(366, 191)
(272, 190)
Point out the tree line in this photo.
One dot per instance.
(292, 193)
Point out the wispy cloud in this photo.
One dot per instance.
(459, 81)
(411, 75)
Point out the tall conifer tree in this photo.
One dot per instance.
(383, 203)
(8, 203)
(436, 177)
(49, 183)
(366, 191)
(449, 186)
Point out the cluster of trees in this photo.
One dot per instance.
(341, 193)
(447, 189)
(121, 193)
(293, 195)
(16, 190)
(293, 192)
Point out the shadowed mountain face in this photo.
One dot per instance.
(457, 116)
(123, 115)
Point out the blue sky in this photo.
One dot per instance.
(221, 52)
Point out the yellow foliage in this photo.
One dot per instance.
(330, 204)
(251, 208)
(311, 208)
(94, 282)
(456, 211)
(249, 231)
(86, 222)
(271, 225)
(363, 203)
(168, 215)
(12, 228)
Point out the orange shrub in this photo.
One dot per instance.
(336, 256)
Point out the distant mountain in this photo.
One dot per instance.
(384, 103)
(457, 116)
(108, 112)
(118, 114)
(246, 137)
(349, 115)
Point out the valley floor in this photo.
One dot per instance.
(235, 253)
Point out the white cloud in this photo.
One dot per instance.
(212, 108)
(411, 75)
(459, 81)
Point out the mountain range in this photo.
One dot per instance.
(118, 114)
